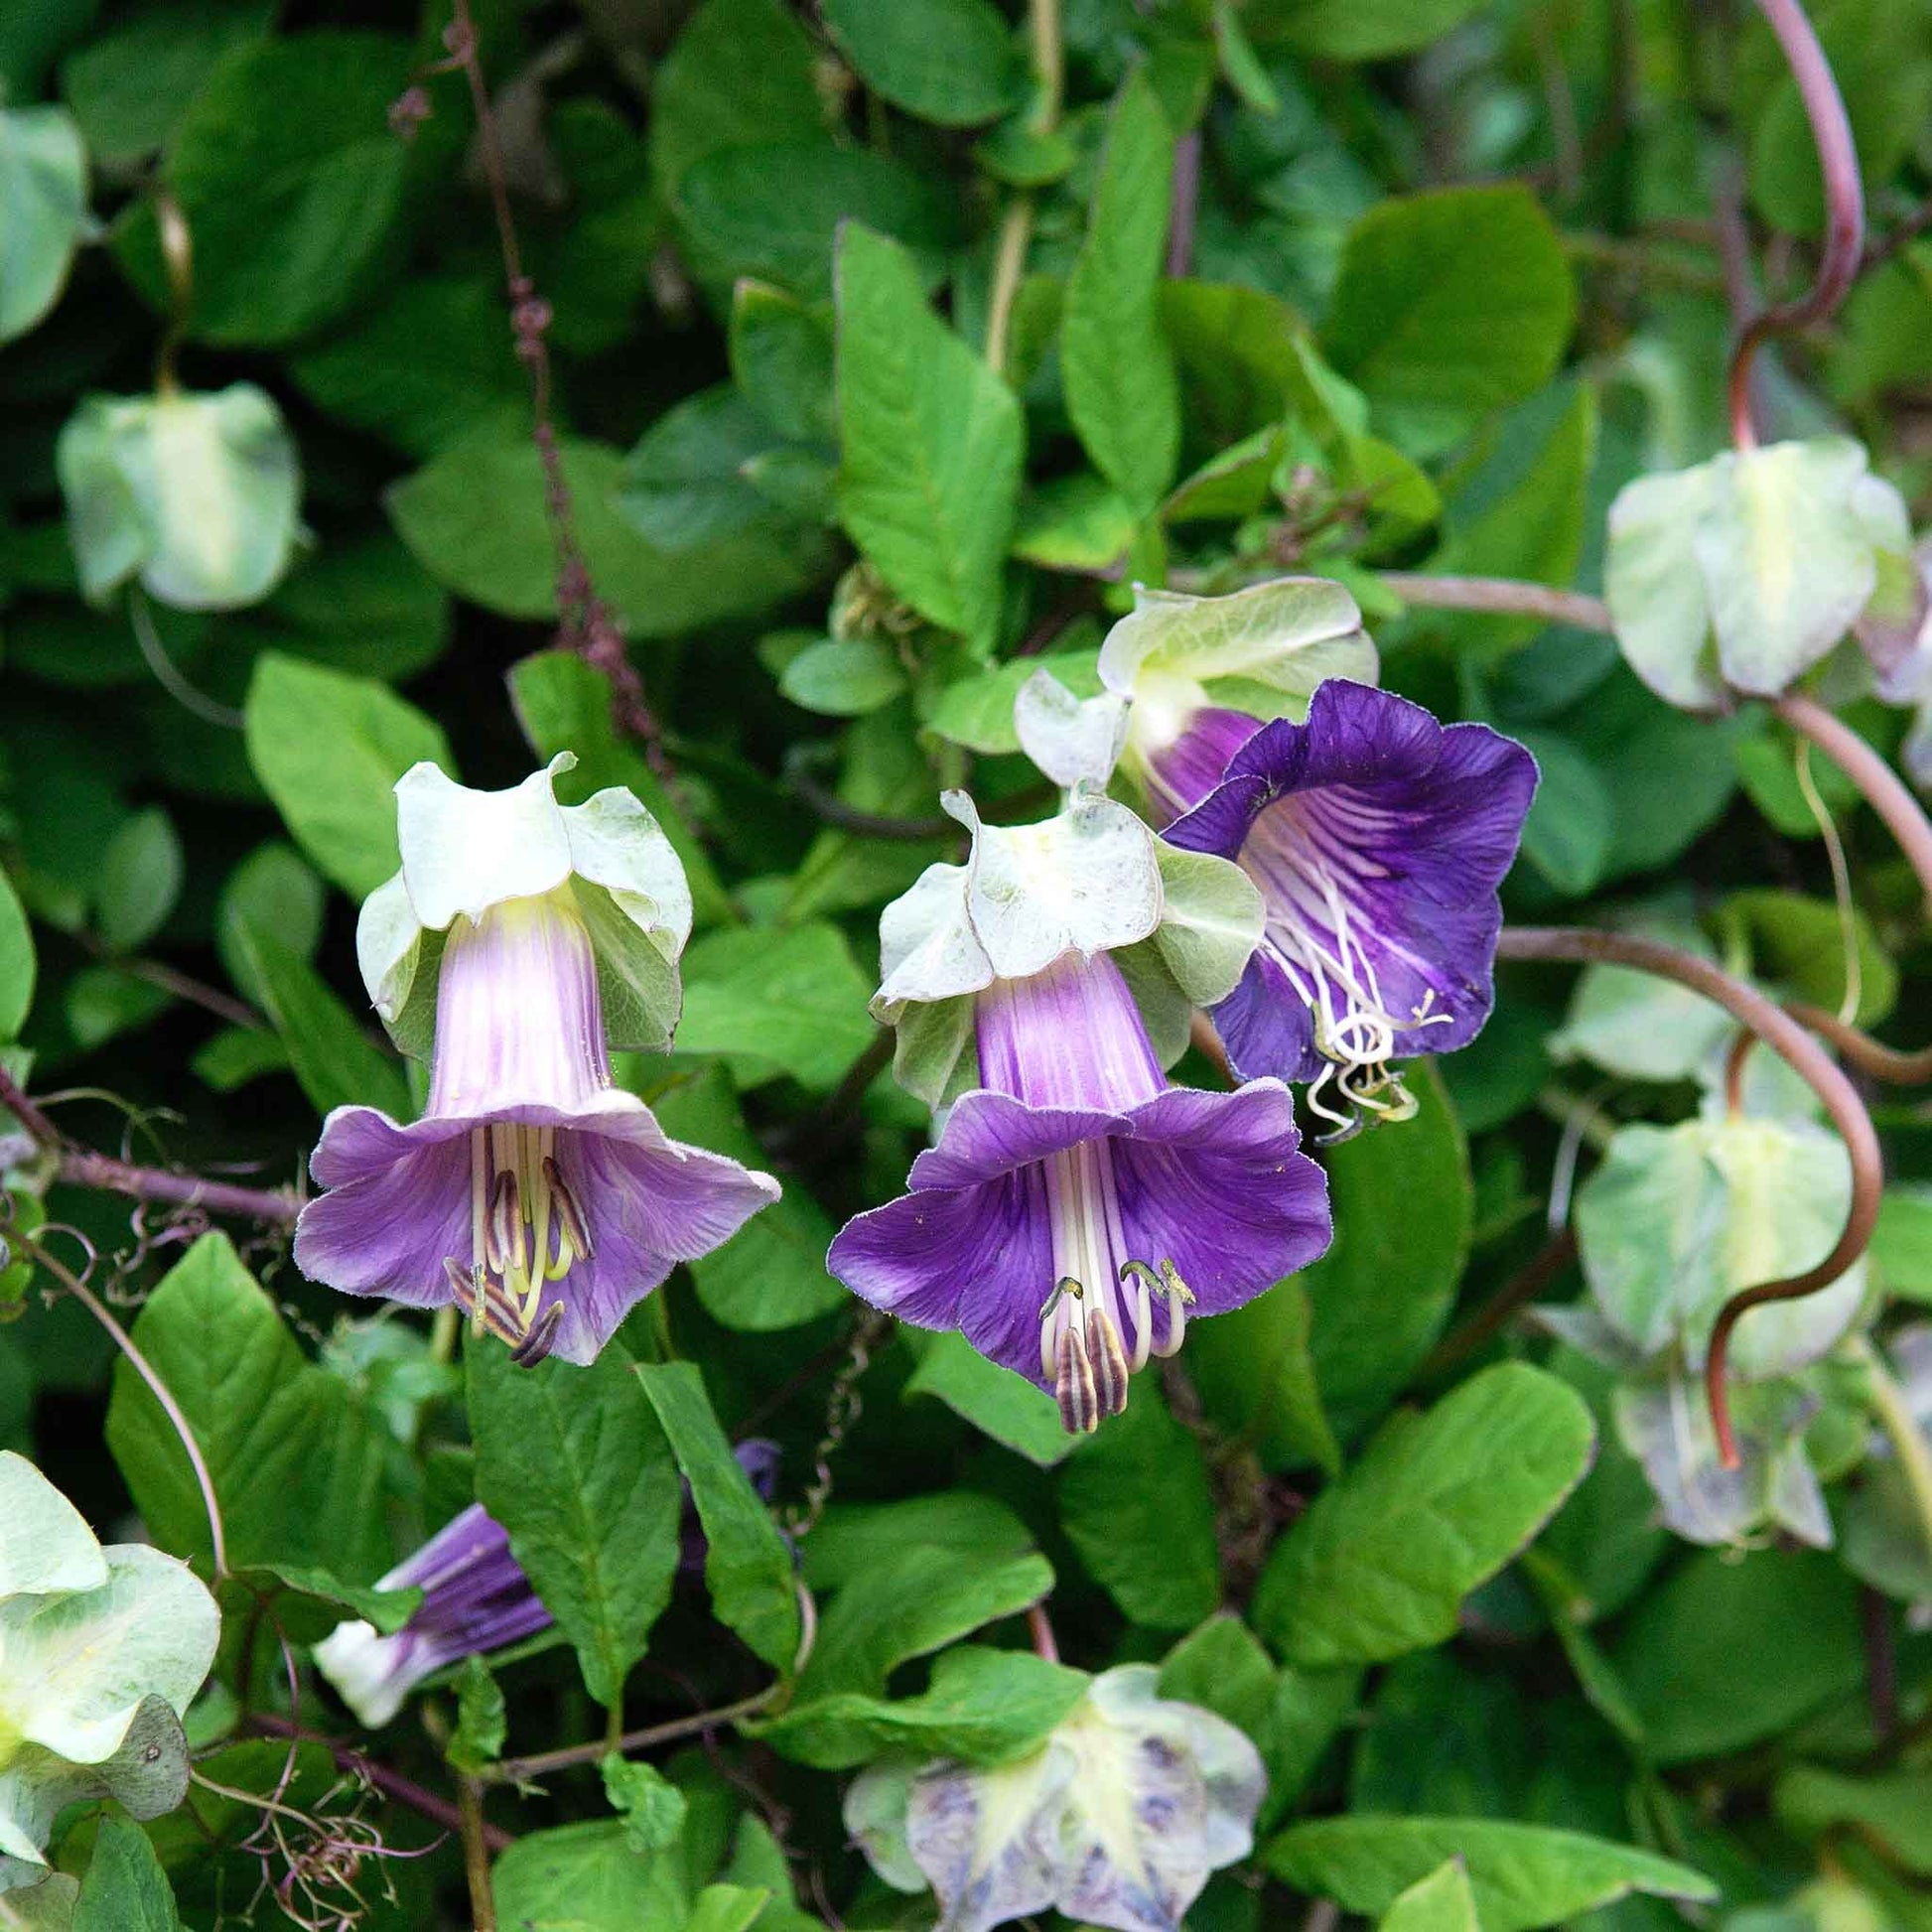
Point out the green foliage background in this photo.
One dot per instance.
(1339, 286)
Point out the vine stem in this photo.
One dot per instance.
(1884, 789)
(1901, 1429)
(520, 1770)
(1017, 229)
(1501, 596)
(82, 1292)
(1802, 1053)
(475, 1855)
(1837, 164)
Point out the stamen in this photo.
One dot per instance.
(1180, 1297)
(569, 1214)
(1073, 1386)
(1144, 1281)
(537, 1344)
(504, 1248)
(1108, 1360)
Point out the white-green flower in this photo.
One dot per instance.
(197, 497)
(1116, 1820)
(101, 1652)
(1742, 574)
(465, 851)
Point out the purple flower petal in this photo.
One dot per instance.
(1378, 838)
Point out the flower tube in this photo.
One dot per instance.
(534, 1193)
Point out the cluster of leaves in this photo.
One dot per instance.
(886, 342)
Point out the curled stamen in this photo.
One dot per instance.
(569, 1214)
(1073, 1387)
(537, 1344)
(1067, 1285)
(1108, 1360)
(1180, 1297)
(1048, 1333)
(1143, 1281)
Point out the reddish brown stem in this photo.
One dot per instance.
(1873, 1057)
(1883, 788)
(1543, 1268)
(1040, 1627)
(1802, 1053)
(1501, 596)
(392, 1784)
(1838, 162)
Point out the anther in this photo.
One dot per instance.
(1067, 1285)
(1180, 1297)
(503, 1240)
(569, 1214)
(537, 1344)
(1143, 1279)
(1074, 1388)
(1108, 1360)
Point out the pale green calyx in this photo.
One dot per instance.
(1116, 1820)
(1073, 740)
(101, 1652)
(1092, 878)
(43, 188)
(1261, 650)
(1742, 574)
(196, 495)
(465, 851)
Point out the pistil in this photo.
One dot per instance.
(526, 1228)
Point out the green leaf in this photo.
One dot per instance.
(1728, 1652)
(587, 1878)
(748, 1564)
(931, 443)
(770, 1275)
(1257, 1379)
(1354, 29)
(271, 891)
(335, 1061)
(1134, 1503)
(854, 1538)
(654, 1808)
(308, 1602)
(17, 962)
(1799, 943)
(481, 1724)
(774, 212)
(1121, 388)
(475, 517)
(977, 710)
(948, 61)
(1571, 825)
(1438, 1503)
(1894, 1809)
(1382, 1292)
(572, 1462)
(296, 1461)
(683, 485)
(1449, 305)
(741, 73)
(843, 677)
(1444, 1901)
(124, 1888)
(790, 1000)
(782, 361)
(983, 1707)
(1520, 1875)
(43, 188)
(1902, 1243)
(564, 705)
(917, 1600)
(291, 183)
(127, 88)
(328, 748)
(141, 875)
(999, 1403)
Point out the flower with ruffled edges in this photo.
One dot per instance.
(1077, 1209)
(1378, 838)
(1116, 1820)
(535, 1194)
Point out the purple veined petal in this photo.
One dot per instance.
(1069, 1037)
(1216, 1184)
(1378, 838)
(404, 1201)
(1182, 774)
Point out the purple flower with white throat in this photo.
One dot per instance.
(1076, 1209)
(537, 1195)
(475, 1599)
(1377, 838)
